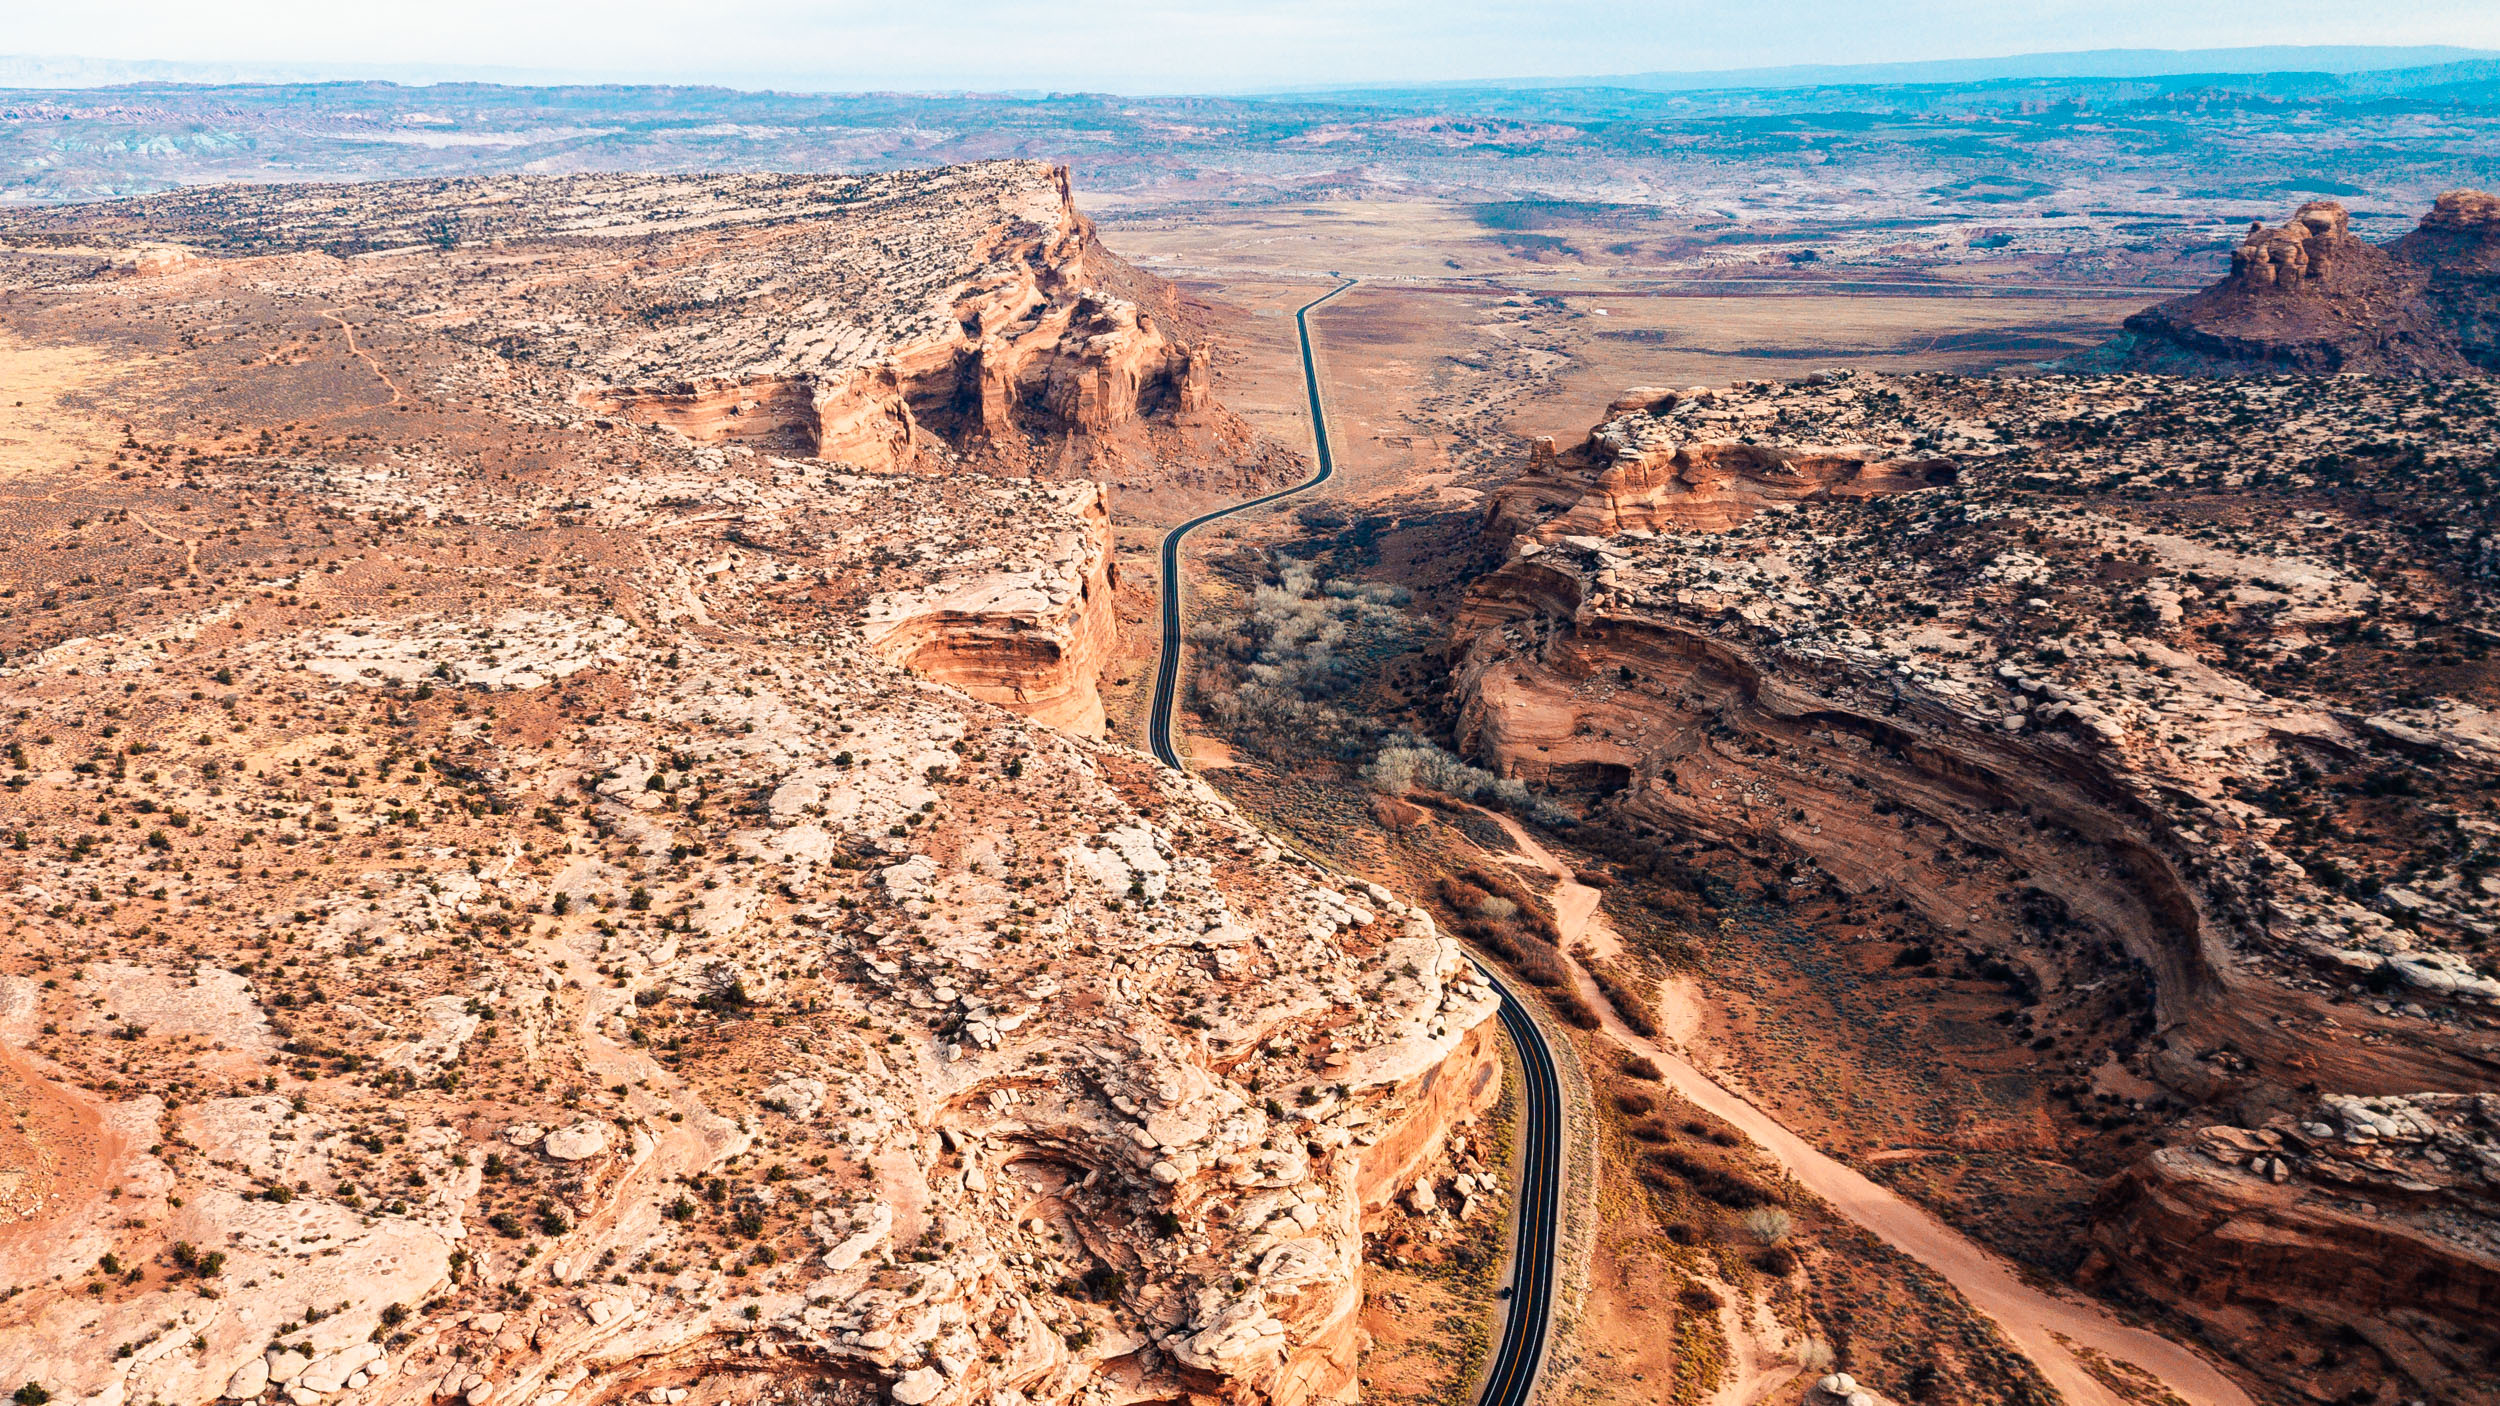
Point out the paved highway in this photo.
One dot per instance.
(1512, 1376)
(1168, 666)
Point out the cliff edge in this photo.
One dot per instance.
(2313, 298)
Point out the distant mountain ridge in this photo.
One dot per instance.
(2338, 60)
(56, 71)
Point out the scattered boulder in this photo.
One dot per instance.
(576, 1142)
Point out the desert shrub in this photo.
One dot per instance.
(1643, 1067)
(1536, 960)
(1670, 1166)
(1275, 674)
(1574, 1011)
(1768, 1225)
(724, 989)
(1406, 763)
(1503, 886)
(1533, 958)
(1633, 997)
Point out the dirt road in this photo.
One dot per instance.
(2032, 1318)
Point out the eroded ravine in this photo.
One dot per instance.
(2037, 1322)
(1513, 1376)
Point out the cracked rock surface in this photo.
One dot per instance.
(2164, 701)
(522, 904)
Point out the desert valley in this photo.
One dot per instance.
(1857, 796)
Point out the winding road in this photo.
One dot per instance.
(2066, 1338)
(1512, 1375)
(1168, 662)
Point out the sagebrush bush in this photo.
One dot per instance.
(1766, 1224)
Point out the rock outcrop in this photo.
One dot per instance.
(631, 911)
(2380, 1216)
(2063, 721)
(1021, 358)
(2311, 297)
(903, 321)
(1637, 471)
(1028, 623)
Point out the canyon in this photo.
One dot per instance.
(1922, 660)
(570, 844)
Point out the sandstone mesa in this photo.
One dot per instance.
(539, 883)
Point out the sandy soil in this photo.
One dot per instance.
(44, 424)
(56, 1156)
(1575, 903)
(2042, 1325)
(1458, 335)
(1623, 338)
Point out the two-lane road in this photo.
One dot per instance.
(1168, 664)
(1512, 1375)
(2054, 1331)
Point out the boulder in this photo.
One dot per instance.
(576, 1142)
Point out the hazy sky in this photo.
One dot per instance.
(1139, 46)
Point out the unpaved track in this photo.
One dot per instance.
(2032, 1318)
(365, 356)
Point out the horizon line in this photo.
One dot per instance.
(25, 72)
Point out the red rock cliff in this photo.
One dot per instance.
(1027, 626)
(1030, 361)
(2311, 296)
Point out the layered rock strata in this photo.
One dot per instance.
(1015, 353)
(521, 907)
(2079, 672)
(1641, 471)
(2383, 1213)
(896, 321)
(1028, 623)
(2312, 297)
